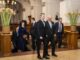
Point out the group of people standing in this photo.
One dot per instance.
(41, 32)
(44, 33)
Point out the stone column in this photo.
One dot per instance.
(51, 7)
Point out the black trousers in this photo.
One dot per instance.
(15, 45)
(52, 41)
(59, 39)
(38, 42)
(33, 43)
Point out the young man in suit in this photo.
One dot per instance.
(40, 35)
(32, 33)
(49, 27)
(59, 29)
(14, 40)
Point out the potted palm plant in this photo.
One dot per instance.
(73, 17)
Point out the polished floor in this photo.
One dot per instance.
(62, 55)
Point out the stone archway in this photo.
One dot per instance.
(31, 7)
(18, 8)
(24, 8)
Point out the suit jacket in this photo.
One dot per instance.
(40, 29)
(57, 26)
(33, 29)
(14, 38)
(49, 31)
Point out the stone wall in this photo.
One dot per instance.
(69, 6)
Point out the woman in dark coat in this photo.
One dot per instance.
(22, 44)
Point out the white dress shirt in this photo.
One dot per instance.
(50, 24)
(33, 23)
(43, 22)
(60, 27)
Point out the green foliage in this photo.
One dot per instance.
(6, 14)
(73, 17)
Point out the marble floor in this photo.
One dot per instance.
(62, 55)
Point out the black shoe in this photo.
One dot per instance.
(59, 47)
(14, 51)
(39, 57)
(46, 57)
(54, 55)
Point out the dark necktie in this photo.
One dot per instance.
(43, 23)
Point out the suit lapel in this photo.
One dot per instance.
(42, 23)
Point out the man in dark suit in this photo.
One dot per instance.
(59, 29)
(32, 33)
(49, 27)
(40, 35)
(14, 40)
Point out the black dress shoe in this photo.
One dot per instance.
(54, 55)
(14, 51)
(39, 57)
(59, 46)
(46, 57)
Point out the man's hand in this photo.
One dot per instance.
(30, 37)
(46, 35)
(24, 36)
(41, 37)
